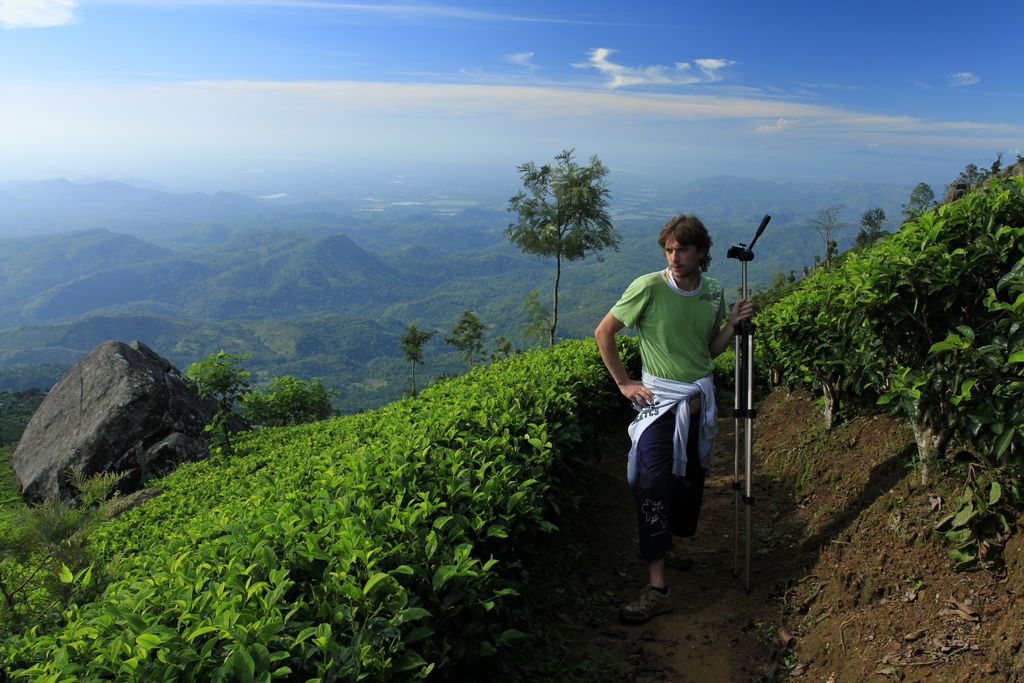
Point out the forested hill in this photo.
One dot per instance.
(295, 285)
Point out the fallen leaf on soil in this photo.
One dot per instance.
(936, 503)
(784, 638)
(911, 637)
(959, 609)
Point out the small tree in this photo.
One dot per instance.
(537, 328)
(412, 344)
(221, 377)
(870, 227)
(997, 165)
(562, 214)
(826, 223)
(971, 176)
(468, 337)
(288, 401)
(922, 198)
(502, 348)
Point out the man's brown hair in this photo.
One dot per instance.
(687, 230)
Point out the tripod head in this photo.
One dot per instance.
(742, 252)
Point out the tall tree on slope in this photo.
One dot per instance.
(563, 213)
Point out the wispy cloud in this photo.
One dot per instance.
(775, 127)
(522, 59)
(830, 86)
(389, 9)
(37, 13)
(681, 73)
(250, 124)
(962, 78)
(711, 68)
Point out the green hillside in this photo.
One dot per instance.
(377, 545)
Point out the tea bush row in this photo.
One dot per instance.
(929, 322)
(375, 546)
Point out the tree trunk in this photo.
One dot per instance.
(931, 444)
(830, 390)
(554, 308)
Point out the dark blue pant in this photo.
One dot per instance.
(666, 505)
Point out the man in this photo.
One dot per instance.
(678, 314)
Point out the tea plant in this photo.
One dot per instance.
(927, 322)
(375, 546)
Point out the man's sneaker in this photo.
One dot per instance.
(651, 603)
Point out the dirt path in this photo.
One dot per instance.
(717, 632)
(844, 553)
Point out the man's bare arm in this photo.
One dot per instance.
(632, 389)
(743, 310)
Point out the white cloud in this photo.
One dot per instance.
(711, 67)
(679, 74)
(37, 13)
(775, 127)
(961, 78)
(522, 59)
(275, 195)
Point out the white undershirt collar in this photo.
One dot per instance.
(666, 275)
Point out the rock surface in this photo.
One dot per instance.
(123, 408)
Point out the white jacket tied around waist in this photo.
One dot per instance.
(669, 394)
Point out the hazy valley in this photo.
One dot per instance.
(326, 288)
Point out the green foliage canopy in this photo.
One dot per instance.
(288, 401)
(929, 322)
(563, 213)
(222, 378)
(922, 198)
(412, 345)
(468, 337)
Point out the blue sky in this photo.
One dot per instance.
(272, 96)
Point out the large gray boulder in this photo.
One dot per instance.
(123, 408)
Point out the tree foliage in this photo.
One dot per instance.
(871, 222)
(221, 377)
(412, 345)
(826, 223)
(562, 214)
(930, 323)
(537, 328)
(922, 198)
(468, 337)
(288, 401)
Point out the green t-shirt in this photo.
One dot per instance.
(674, 329)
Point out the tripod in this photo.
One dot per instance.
(744, 412)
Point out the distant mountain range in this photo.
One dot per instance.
(326, 289)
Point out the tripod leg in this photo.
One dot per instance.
(748, 435)
(737, 421)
